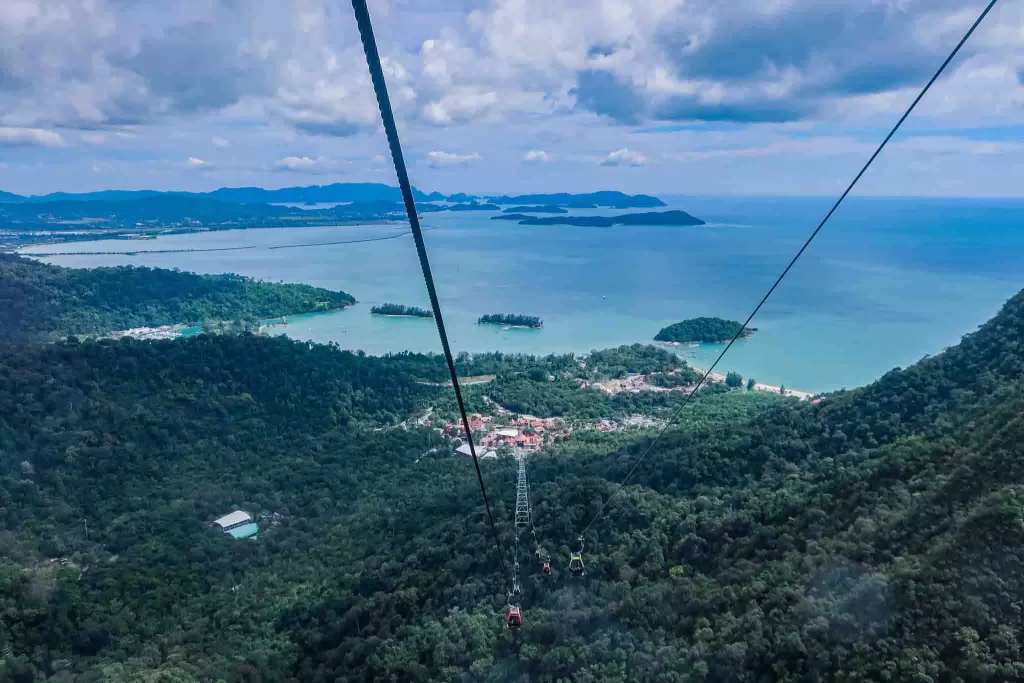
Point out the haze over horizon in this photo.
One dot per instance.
(512, 96)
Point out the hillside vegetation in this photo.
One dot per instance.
(875, 536)
(40, 301)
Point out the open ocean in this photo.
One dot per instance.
(887, 282)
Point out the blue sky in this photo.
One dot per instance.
(662, 96)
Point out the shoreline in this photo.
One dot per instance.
(56, 238)
(693, 343)
(719, 378)
(402, 315)
(513, 327)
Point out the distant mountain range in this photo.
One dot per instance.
(590, 200)
(336, 192)
(343, 192)
(64, 216)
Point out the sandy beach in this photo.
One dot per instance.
(718, 378)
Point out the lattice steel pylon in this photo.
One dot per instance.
(522, 498)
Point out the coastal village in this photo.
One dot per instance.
(516, 436)
(506, 434)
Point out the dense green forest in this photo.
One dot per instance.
(704, 330)
(40, 301)
(401, 309)
(515, 319)
(874, 536)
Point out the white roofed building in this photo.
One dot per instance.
(234, 519)
(238, 524)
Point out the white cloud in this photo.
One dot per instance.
(462, 105)
(29, 137)
(196, 162)
(624, 157)
(93, 137)
(443, 159)
(309, 165)
(495, 79)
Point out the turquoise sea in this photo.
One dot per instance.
(887, 282)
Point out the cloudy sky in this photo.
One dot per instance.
(665, 96)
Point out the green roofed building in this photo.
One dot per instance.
(245, 531)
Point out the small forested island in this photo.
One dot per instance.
(535, 209)
(510, 217)
(399, 309)
(703, 330)
(510, 319)
(615, 200)
(40, 302)
(474, 207)
(646, 218)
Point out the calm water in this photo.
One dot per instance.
(887, 282)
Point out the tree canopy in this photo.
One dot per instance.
(401, 309)
(515, 319)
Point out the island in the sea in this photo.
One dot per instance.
(473, 206)
(615, 200)
(646, 218)
(511, 320)
(703, 330)
(511, 217)
(550, 208)
(402, 310)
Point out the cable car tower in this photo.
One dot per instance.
(522, 498)
(514, 617)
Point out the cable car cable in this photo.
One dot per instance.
(391, 130)
(800, 253)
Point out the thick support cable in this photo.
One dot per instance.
(792, 262)
(391, 130)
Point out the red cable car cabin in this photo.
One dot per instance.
(546, 568)
(514, 619)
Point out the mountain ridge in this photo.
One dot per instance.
(338, 192)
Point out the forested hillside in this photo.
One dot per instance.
(40, 301)
(874, 536)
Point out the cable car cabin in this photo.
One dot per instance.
(514, 618)
(576, 564)
(546, 568)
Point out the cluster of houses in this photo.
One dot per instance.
(522, 434)
(162, 332)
